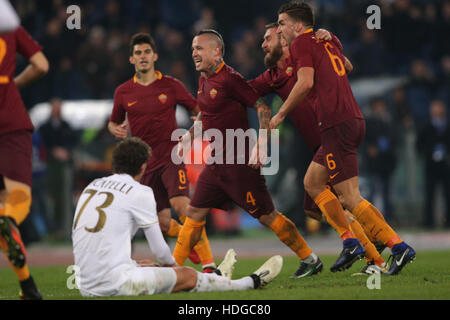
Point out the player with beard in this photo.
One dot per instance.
(320, 67)
(280, 78)
(148, 100)
(223, 96)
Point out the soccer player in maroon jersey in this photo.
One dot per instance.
(223, 96)
(280, 78)
(149, 100)
(15, 149)
(320, 66)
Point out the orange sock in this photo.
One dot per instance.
(174, 229)
(204, 250)
(286, 231)
(371, 252)
(189, 236)
(202, 247)
(17, 205)
(369, 218)
(332, 210)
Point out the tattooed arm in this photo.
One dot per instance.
(258, 155)
(264, 113)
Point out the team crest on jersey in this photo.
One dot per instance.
(289, 71)
(213, 93)
(162, 97)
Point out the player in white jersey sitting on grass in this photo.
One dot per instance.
(108, 214)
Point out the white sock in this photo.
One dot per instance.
(207, 282)
(312, 258)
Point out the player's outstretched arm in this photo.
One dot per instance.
(159, 246)
(37, 68)
(300, 90)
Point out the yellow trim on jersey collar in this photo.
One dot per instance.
(159, 74)
(220, 67)
(309, 30)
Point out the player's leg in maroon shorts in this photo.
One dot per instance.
(247, 188)
(349, 136)
(327, 165)
(174, 178)
(207, 195)
(15, 201)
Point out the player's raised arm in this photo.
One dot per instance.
(300, 90)
(38, 67)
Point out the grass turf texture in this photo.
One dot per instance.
(428, 277)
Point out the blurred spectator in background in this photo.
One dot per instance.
(59, 140)
(380, 154)
(419, 90)
(433, 144)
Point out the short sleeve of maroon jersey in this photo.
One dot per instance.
(337, 42)
(26, 45)
(183, 96)
(118, 112)
(261, 84)
(301, 53)
(241, 90)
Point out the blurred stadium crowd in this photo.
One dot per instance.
(407, 147)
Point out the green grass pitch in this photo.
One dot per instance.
(428, 277)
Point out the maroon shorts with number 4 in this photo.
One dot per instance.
(15, 156)
(218, 185)
(339, 149)
(167, 182)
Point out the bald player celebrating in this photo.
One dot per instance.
(223, 97)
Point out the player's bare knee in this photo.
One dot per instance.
(316, 215)
(268, 219)
(197, 214)
(179, 204)
(186, 279)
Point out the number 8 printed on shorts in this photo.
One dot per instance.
(182, 176)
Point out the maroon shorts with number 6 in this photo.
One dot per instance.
(339, 149)
(167, 182)
(218, 185)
